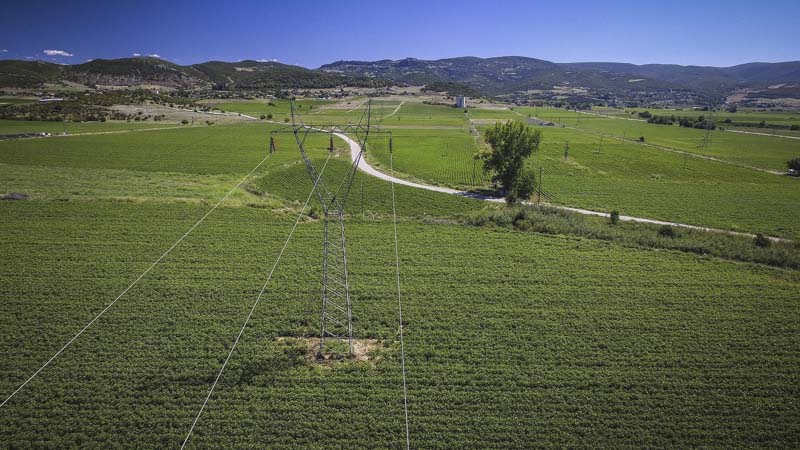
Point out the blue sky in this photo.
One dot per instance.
(311, 33)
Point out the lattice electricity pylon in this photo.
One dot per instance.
(336, 315)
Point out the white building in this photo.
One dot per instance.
(461, 102)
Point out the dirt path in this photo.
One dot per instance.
(763, 134)
(358, 106)
(369, 170)
(611, 117)
(214, 113)
(395, 110)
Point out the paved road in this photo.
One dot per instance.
(355, 149)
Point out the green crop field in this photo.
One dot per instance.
(512, 339)
(760, 151)
(15, 101)
(25, 126)
(442, 156)
(742, 115)
(607, 174)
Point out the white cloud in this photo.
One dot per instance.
(267, 60)
(56, 53)
(2, 50)
(137, 54)
(154, 55)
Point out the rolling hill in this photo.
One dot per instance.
(515, 73)
(154, 71)
(487, 76)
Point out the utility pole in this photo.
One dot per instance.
(474, 177)
(541, 179)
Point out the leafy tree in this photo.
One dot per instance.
(523, 187)
(511, 144)
(794, 164)
(614, 217)
(761, 241)
(666, 231)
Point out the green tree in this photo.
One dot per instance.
(794, 164)
(511, 144)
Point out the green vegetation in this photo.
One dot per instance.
(754, 150)
(452, 89)
(510, 145)
(26, 126)
(558, 328)
(794, 164)
(547, 220)
(443, 157)
(143, 370)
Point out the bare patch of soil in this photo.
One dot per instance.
(363, 349)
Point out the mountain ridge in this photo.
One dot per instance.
(494, 76)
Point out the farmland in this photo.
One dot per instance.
(584, 365)
(557, 340)
(763, 152)
(603, 173)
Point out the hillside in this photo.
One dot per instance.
(506, 76)
(154, 71)
(514, 73)
(271, 75)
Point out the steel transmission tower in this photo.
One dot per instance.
(709, 119)
(336, 315)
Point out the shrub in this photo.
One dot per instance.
(794, 164)
(641, 139)
(666, 231)
(269, 116)
(184, 122)
(263, 116)
(614, 217)
(761, 241)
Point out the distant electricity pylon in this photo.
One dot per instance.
(709, 126)
(336, 316)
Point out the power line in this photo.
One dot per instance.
(399, 303)
(258, 299)
(131, 285)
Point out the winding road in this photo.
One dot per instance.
(355, 149)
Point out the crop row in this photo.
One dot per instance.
(510, 337)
